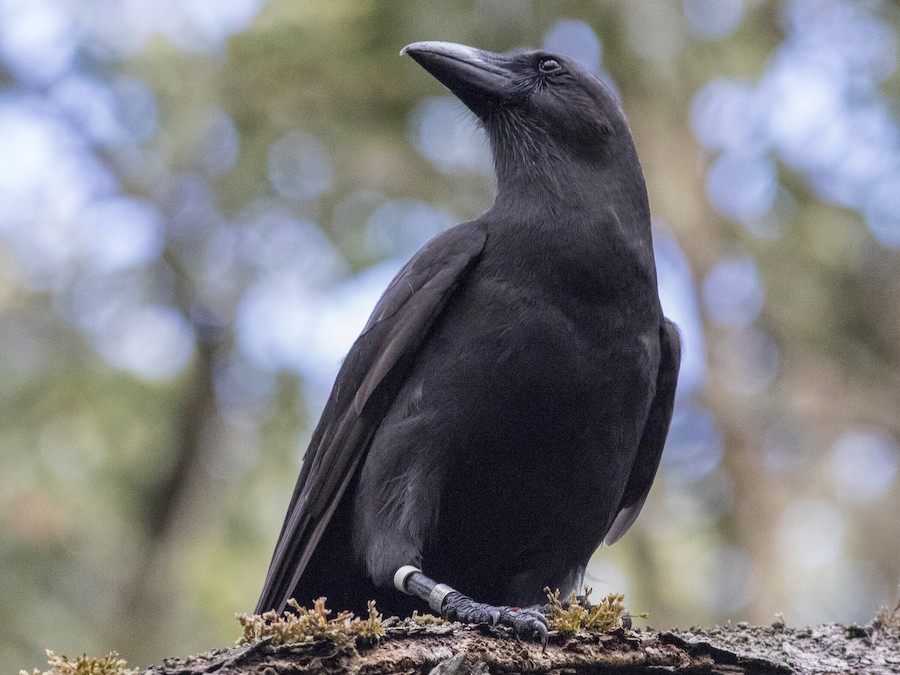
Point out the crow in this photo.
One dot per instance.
(504, 410)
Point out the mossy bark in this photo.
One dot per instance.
(409, 647)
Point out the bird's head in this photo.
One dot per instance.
(541, 110)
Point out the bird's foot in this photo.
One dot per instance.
(526, 622)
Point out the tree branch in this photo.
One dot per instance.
(449, 649)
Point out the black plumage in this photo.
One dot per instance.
(504, 410)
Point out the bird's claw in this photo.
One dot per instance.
(531, 623)
(527, 623)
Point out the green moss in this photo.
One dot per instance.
(582, 615)
(888, 618)
(110, 664)
(306, 625)
(427, 619)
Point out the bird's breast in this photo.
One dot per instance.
(531, 358)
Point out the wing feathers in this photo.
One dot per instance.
(654, 437)
(392, 336)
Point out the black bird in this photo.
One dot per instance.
(504, 410)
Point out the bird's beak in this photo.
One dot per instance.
(478, 78)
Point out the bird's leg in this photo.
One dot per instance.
(527, 622)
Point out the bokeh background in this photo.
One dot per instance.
(201, 200)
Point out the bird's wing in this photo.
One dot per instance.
(364, 389)
(654, 437)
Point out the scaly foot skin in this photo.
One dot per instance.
(526, 622)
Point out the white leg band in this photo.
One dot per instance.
(437, 595)
(401, 575)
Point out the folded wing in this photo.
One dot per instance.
(654, 437)
(366, 385)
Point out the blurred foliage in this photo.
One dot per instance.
(200, 201)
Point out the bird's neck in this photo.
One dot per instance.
(572, 193)
(533, 189)
(603, 214)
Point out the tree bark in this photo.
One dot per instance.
(451, 649)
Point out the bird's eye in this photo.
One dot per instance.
(549, 65)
